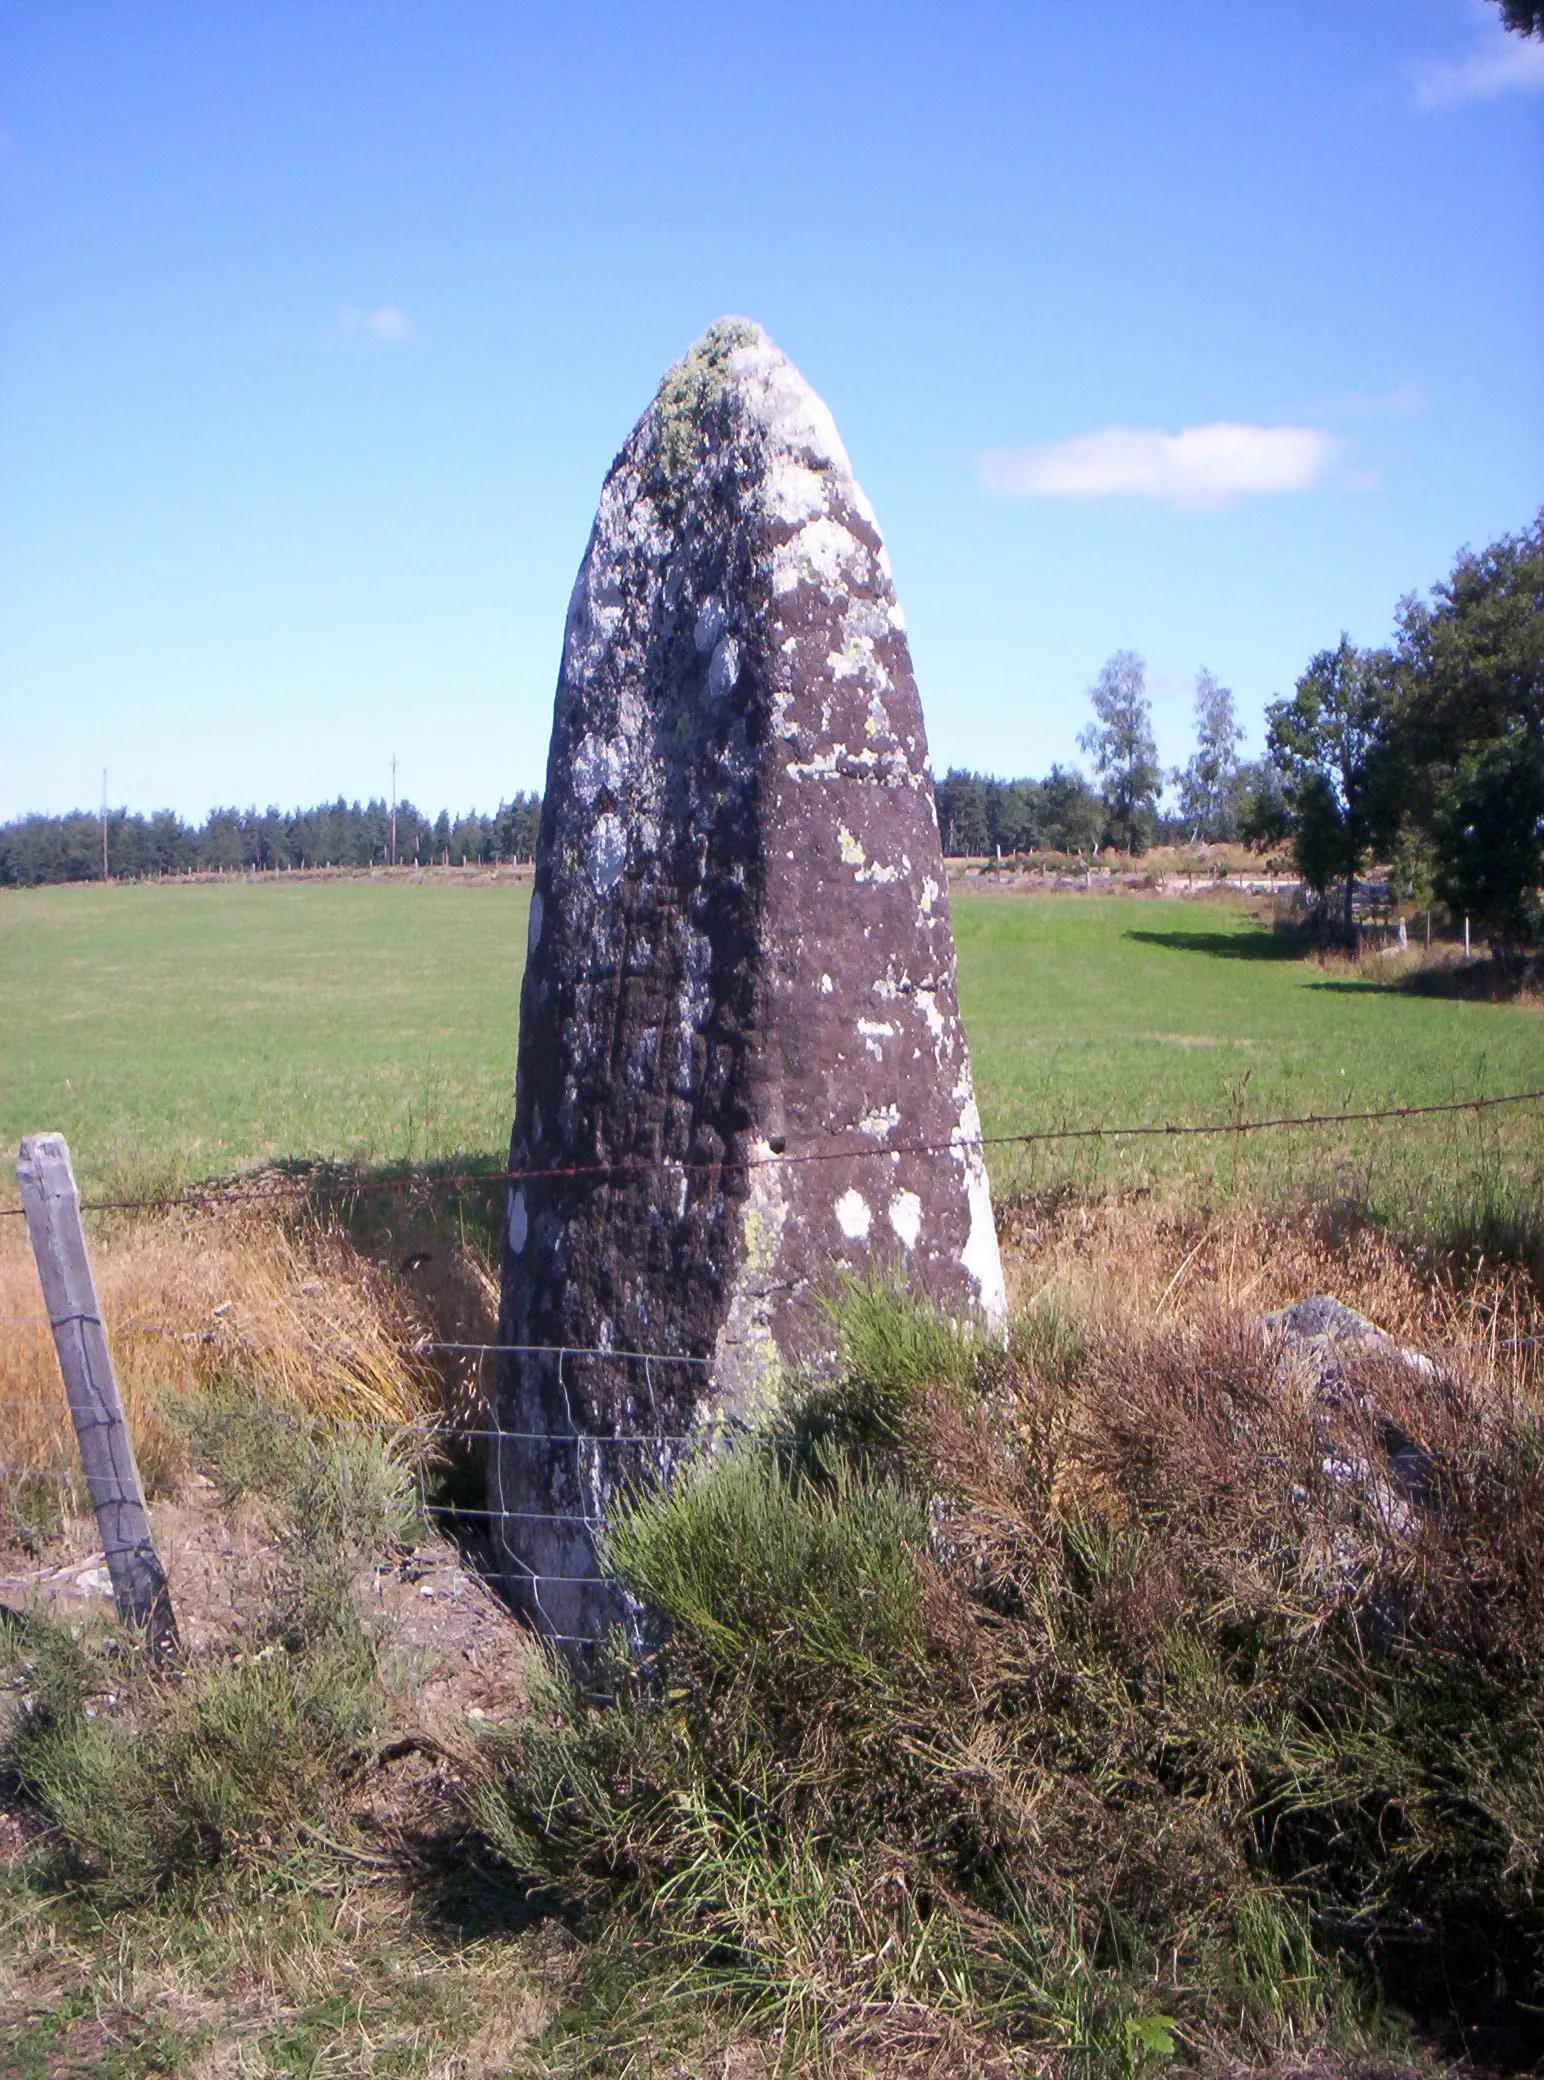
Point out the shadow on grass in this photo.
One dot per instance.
(462, 1890)
(1226, 945)
(1467, 982)
(462, 1194)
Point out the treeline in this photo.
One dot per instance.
(39, 849)
(978, 814)
(1427, 754)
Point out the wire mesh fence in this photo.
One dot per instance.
(43, 1482)
(36, 1500)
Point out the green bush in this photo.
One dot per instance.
(1090, 1709)
(155, 1781)
(209, 1776)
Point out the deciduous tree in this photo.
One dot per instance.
(1206, 785)
(1468, 732)
(1326, 741)
(1120, 742)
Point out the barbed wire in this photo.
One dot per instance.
(240, 1193)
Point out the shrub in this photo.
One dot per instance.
(1077, 1695)
(195, 1775)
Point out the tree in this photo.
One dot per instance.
(1071, 816)
(1261, 815)
(1120, 742)
(1523, 17)
(1489, 832)
(1326, 741)
(1206, 785)
(1468, 733)
(961, 801)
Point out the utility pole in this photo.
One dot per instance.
(394, 808)
(104, 823)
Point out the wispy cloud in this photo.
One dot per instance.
(1500, 62)
(1403, 399)
(1397, 403)
(1199, 466)
(388, 324)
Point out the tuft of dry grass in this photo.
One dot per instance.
(195, 1300)
(1133, 1259)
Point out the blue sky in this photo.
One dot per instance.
(1204, 330)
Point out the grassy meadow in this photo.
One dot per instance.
(1163, 1759)
(177, 1032)
(184, 1032)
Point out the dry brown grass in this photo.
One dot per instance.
(296, 1311)
(1137, 1262)
(195, 1300)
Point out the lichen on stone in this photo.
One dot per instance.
(682, 412)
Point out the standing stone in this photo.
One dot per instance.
(742, 1070)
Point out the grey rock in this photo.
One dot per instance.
(1326, 1341)
(739, 1030)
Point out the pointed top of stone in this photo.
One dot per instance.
(737, 372)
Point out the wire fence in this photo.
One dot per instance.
(429, 1442)
(324, 1182)
(426, 1444)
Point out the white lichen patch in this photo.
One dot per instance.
(853, 1216)
(873, 1032)
(927, 1004)
(797, 421)
(853, 854)
(880, 1121)
(823, 766)
(930, 894)
(826, 985)
(607, 855)
(795, 493)
(853, 661)
(822, 553)
(598, 764)
(878, 872)
(980, 1257)
(906, 1218)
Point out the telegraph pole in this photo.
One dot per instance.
(394, 808)
(104, 823)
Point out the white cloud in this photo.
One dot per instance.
(1403, 399)
(1198, 466)
(1501, 62)
(387, 323)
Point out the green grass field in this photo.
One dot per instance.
(176, 1032)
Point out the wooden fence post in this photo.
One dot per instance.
(52, 1202)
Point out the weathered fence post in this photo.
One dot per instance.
(52, 1202)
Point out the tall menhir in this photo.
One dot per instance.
(742, 1070)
